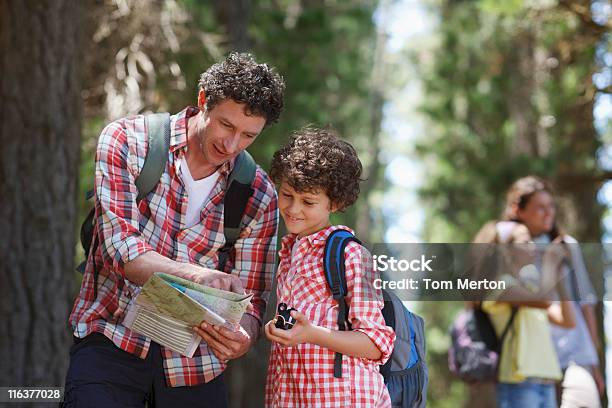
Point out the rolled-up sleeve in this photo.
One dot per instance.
(117, 164)
(365, 301)
(255, 260)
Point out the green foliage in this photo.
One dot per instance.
(325, 58)
(506, 94)
(443, 390)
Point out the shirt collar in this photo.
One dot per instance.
(315, 239)
(178, 128)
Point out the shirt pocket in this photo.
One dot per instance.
(310, 287)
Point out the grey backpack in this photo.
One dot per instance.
(405, 372)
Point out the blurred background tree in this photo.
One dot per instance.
(509, 91)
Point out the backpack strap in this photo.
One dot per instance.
(495, 343)
(507, 328)
(335, 274)
(158, 137)
(158, 126)
(237, 194)
(388, 312)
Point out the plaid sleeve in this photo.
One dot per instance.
(365, 301)
(256, 253)
(117, 162)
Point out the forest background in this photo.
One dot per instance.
(447, 102)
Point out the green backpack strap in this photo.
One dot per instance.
(158, 136)
(237, 194)
(157, 155)
(158, 125)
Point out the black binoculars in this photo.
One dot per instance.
(283, 317)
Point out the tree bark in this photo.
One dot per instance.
(521, 67)
(40, 125)
(234, 16)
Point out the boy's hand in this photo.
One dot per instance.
(301, 332)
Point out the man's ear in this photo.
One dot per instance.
(201, 99)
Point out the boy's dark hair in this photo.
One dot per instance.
(241, 78)
(316, 159)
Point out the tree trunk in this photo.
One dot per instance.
(234, 16)
(366, 221)
(521, 73)
(40, 124)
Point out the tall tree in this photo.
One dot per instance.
(40, 125)
(234, 17)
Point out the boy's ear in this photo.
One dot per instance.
(333, 207)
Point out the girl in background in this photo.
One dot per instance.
(528, 368)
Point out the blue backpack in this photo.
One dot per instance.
(405, 372)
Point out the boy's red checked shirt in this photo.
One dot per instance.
(303, 375)
(125, 230)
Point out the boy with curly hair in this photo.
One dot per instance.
(317, 175)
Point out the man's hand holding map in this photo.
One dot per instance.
(168, 307)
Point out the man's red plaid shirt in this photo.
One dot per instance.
(125, 230)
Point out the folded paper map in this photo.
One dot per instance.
(168, 307)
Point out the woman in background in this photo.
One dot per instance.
(530, 201)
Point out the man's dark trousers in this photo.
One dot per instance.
(102, 375)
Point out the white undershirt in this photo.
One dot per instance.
(197, 193)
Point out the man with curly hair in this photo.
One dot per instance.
(319, 174)
(176, 229)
